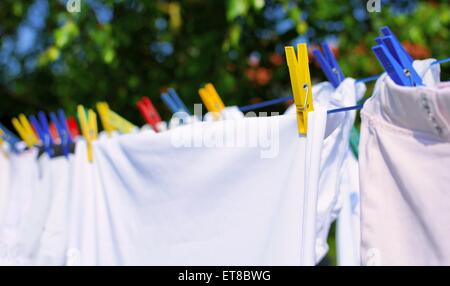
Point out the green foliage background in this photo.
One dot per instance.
(120, 50)
(82, 58)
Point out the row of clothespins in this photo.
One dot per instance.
(395, 60)
(57, 136)
(36, 132)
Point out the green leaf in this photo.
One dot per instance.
(237, 8)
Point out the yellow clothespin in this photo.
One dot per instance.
(88, 128)
(301, 84)
(120, 123)
(204, 95)
(113, 121)
(1, 137)
(1, 144)
(23, 127)
(103, 110)
(215, 98)
(211, 100)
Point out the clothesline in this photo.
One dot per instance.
(275, 101)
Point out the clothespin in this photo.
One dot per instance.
(73, 127)
(149, 112)
(387, 32)
(8, 136)
(103, 110)
(60, 123)
(23, 127)
(207, 100)
(42, 128)
(120, 123)
(173, 101)
(211, 100)
(395, 60)
(301, 84)
(329, 65)
(88, 128)
(177, 100)
(169, 102)
(53, 131)
(214, 96)
(397, 51)
(2, 142)
(113, 121)
(1, 138)
(391, 66)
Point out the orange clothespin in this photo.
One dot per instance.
(301, 84)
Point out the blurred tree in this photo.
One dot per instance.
(120, 50)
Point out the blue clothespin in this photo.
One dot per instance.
(9, 137)
(169, 102)
(394, 57)
(333, 62)
(329, 65)
(387, 32)
(43, 131)
(177, 100)
(379, 41)
(391, 66)
(63, 131)
(396, 50)
(37, 127)
(63, 121)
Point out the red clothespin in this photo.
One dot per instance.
(54, 132)
(73, 127)
(149, 112)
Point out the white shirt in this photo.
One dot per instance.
(4, 182)
(23, 184)
(148, 201)
(335, 153)
(404, 160)
(53, 239)
(348, 236)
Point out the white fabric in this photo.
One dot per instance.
(23, 184)
(348, 234)
(404, 160)
(181, 118)
(146, 202)
(34, 220)
(228, 113)
(4, 181)
(51, 246)
(335, 153)
(160, 126)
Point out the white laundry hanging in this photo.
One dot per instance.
(404, 159)
(145, 202)
(334, 154)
